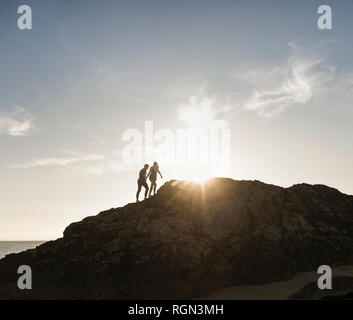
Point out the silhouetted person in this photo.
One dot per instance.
(141, 182)
(153, 177)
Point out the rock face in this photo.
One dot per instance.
(190, 240)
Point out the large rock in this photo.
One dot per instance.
(189, 240)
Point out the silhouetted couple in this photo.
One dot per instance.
(141, 182)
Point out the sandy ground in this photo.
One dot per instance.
(275, 290)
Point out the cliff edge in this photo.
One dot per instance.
(189, 241)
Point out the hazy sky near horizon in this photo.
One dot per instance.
(90, 70)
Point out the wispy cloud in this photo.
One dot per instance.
(291, 83)
(202, 110)
(198, 110)
(15, 121)
(101, 164)
(305, 78)
(48, 162)
(108, 167)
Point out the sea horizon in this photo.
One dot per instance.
(25, 240)
(9, 247)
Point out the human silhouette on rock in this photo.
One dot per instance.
(141, 182)
(153, 177)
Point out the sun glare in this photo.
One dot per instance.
(196, 174)
(201, 178)
(198, 113)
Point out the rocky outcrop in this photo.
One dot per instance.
(190, 240)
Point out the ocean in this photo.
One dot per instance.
(7, 247)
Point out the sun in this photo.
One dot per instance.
(199, 174)
(200, 178)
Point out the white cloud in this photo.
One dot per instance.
(16, 121)
(305, 78)
(198, 111)
(202, 111)
(102, 164)
(47, 162)
(292, 83)
(106, 168)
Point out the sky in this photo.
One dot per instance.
(90, 75)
